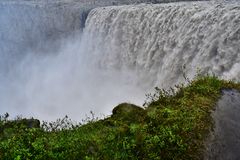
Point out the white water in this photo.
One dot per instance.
(42, 71)
(162, 42)
(124, 52)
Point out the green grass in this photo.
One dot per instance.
(173, 125)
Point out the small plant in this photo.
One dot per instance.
(59, 125)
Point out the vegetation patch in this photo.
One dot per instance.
(172, 125)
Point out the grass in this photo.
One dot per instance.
(173, 125)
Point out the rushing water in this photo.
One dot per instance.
(167, 41)
(42, 71)
(51, 65)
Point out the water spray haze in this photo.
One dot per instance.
(49, 86)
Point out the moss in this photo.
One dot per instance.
(173, 125)
(128, 113)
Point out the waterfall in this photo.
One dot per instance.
(163, 42)
(54, 64)
(43, 72)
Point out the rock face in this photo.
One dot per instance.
(224, 143)
(36, 26)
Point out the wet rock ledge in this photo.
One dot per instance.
(224, 142)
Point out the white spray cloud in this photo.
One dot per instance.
(49, 86)
(43, 72)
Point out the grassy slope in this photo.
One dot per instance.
(173, 125)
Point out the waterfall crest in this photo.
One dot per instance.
(167, 40)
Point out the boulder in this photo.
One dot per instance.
(129, 113)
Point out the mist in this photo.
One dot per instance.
(44, 71)
(58, 60)
(52, 85)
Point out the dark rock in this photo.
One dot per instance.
(224, 142)
(31, 123)
(126, 108)
(26, 123)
